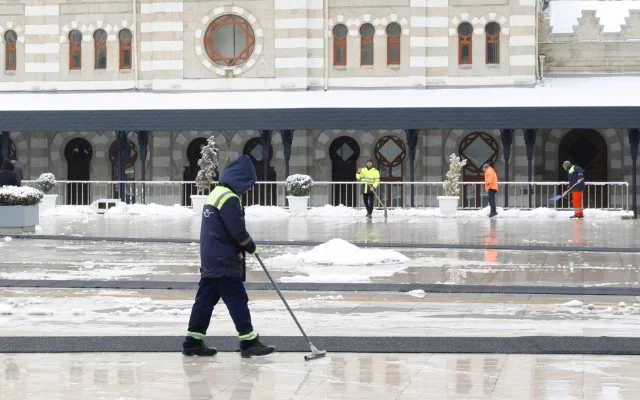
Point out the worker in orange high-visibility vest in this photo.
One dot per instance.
(491, 186)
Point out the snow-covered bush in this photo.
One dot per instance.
(46, 182)
(298, 185)
(19, 196)
(208, 164)
(452, 181)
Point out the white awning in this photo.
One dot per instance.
(620, 91)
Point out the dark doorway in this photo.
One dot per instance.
(587, 149)
(78, 154)
(478, 148)
(265, 194)
(344, 153)
(191, 171)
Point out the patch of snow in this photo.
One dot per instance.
(78, 311)
(622, 304)
(591, 307)
(5, 309)
(573, 303)
(8, 238)
(39, 311)
(68, 211)
(417, 293)
(135, 311)
(145, 210)
(265, 212)
(340, 252)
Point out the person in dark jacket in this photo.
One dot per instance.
(223, 239)
(576, 177)
(7, 175)
(18, 170)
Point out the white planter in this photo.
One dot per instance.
(448, 205)
(197, 201)
(298, 204)
(18, 219)
(47, 202)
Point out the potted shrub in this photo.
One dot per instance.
(208, 164)
(46, 182)
(449, 202)
(19, 209)
(298, 187)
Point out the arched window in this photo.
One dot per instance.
(229, 41)
(393, 44)
(493, 42)
(75, 50)
(124, 37)
(465, 31)
(100, 45)
(340, 45)
(10, 54)
(367, 31)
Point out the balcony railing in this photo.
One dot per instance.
(522, 195)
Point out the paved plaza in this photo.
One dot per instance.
(61, 294)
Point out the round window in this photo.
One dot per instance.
(229, 41)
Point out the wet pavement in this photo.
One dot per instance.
(91, 312)
(94, 313)
(179, 262)
(602, 230)
(167, 376)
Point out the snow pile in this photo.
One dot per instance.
(339, 261)
(563, 15)
(145, 210)
(419, 293)
(573, 303)
(8, 238)
(5, 309)
(341, 252)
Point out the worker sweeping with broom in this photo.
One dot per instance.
(371, 179)
(223, 240)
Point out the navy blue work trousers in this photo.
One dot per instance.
(234, 295)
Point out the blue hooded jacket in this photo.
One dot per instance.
(575, 174)
(223, 233)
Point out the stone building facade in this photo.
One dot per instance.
(246, 45)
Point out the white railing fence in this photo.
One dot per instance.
(522, 195)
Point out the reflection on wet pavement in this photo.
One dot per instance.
(163, 376)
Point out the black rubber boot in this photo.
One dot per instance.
(198, 348)
(253, 348)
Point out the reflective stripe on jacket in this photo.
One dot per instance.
(575, 174)
(368, 177)
(223, 233)
(490, 179)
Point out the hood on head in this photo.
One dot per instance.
(8, 165)
(239, 175)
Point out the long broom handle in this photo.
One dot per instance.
(574, 185)
(378, 197)
(283, 299)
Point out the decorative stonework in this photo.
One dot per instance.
(202, 28)
(87, 31)
(379, 23)
(479, 23)
(10, 26)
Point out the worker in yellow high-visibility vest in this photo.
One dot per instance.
(371, 178)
